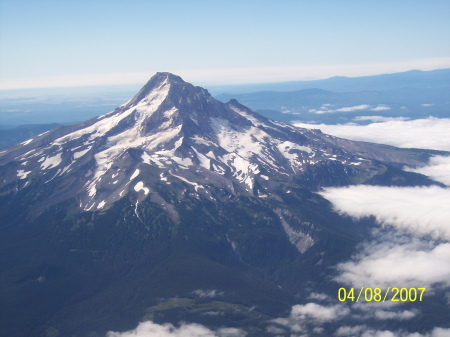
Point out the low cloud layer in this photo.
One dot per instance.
(417, 210)
(379, 119)
(430, 133)
(327, 108)
(207, 293)
(414, 264)
(150, 329)
(364, 331)
(412, 250)
(410, 247)
(307, 317)
(312, 319)
(437, 169)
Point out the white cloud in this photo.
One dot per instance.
(388, 310)
(310, 315)
(311, 318)
(364, 331)
(430, 133)
(438, 169)
(318, 296)
(392, 259)
(213, 313)
(385, 265)
(350, 330)
(381, 107)
(420, 210)
(319, 313)
(379, 118)
(150, 329)
(275, 330)
(208, 293)
(354, 108)
(324, 108)
(397, 315)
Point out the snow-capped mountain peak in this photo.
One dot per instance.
(173, 133)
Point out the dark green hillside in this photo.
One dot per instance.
(96, 271)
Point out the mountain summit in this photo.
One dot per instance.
(172, 195)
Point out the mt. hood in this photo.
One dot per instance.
(216, 149)
(177, 207)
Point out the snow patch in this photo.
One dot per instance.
(27, 142)
(22, 174)
(51, 162)
(203, 141)
(204, 161)
(183, 161)
(146, 158)
(140, 187)
(196, 186)
(92, 190)
(79, 154)
(218, 169)
(211, 155)
(135, 174)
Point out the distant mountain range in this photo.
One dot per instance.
(178, 207)
(432, 79)
(413, 94)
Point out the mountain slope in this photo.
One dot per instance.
(175, 195)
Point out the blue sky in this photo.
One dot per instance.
(68, 43)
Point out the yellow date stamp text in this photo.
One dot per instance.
(378, 295)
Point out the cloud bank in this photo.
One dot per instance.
(207, 293)
(150, 329)
(364, 331)
(376, 119)
(326, 108)
(308, 317)
(312, 319)
(410, 247)
(438, 169)
(417, 210)
(412, 250)
(430, 133)
(413, 264)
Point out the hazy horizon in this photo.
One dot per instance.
(48, 44)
